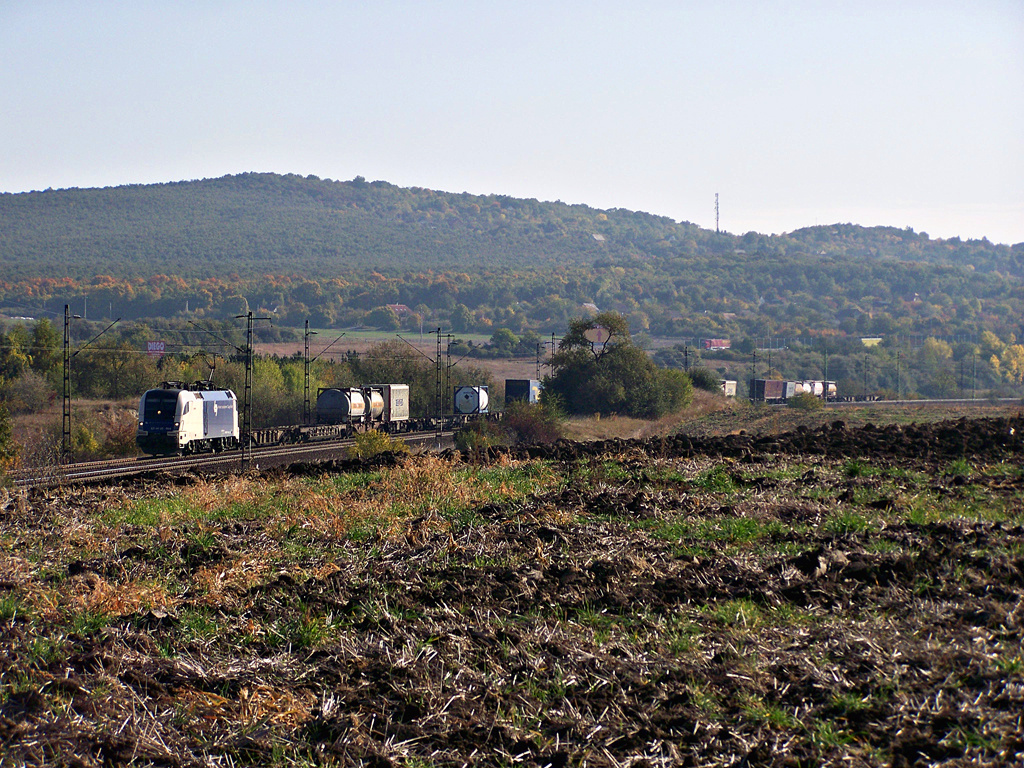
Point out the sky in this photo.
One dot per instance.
(796, 113)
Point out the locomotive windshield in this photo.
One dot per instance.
(160, 405)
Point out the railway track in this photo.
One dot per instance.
(257, 458)
(977, 402)
(276, 456)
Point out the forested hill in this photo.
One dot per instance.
(342, 254)
(255, 224)
(259, 224)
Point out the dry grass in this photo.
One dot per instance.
(598, 428)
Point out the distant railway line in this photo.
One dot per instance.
(979, 402)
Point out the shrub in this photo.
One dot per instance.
(805, 401)
(475, 437)
(30, 393)
(531, 423)
(706, 379)
(119, 432)
(374, 443)
(84, 445)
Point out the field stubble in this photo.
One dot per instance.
(831, 596)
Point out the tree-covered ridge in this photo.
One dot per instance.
(265, 223)
(338, 253)
(257, 223)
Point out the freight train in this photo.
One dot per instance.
(781, 390)
(181, 417)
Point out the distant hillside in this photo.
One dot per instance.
(338, 253)
(255, 224)
(265, 223)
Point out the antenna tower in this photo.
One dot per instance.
(716, 213)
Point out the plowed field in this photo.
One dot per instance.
(830, 596)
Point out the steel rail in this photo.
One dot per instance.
(268, 456)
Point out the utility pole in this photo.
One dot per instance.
(898, 395)
(66, 422)
(442, 373)
(305, 402)
(65, 443)
(753, 372)
(247, 391)
(247, 396)
(448, 367)
(825, 393)
(307, 411)
(552, 343)
(438, 388)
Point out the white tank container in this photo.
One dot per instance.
(471, 400)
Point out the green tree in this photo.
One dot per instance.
(271, 401)
(504, 340)
(46, 347)
(383, 318)
(14, 352)
(933, 360)
(116, 371)
(462, 318)
(612, 375)
(705, 378)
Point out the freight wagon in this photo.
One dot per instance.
(781, 390)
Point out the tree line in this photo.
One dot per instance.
(581, 376)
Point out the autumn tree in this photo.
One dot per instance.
(1011, 363)
(8, 447)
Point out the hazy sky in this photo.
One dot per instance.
(898, 112)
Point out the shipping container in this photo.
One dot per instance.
(523, 390)
(396, 402)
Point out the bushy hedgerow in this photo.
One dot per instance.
(805, 401)
(373, 443)
(706, 379)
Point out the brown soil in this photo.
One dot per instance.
(828, 596)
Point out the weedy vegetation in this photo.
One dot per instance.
(834, 597)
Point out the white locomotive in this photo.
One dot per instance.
(187, 418)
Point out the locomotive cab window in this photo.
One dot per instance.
(160, 406)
